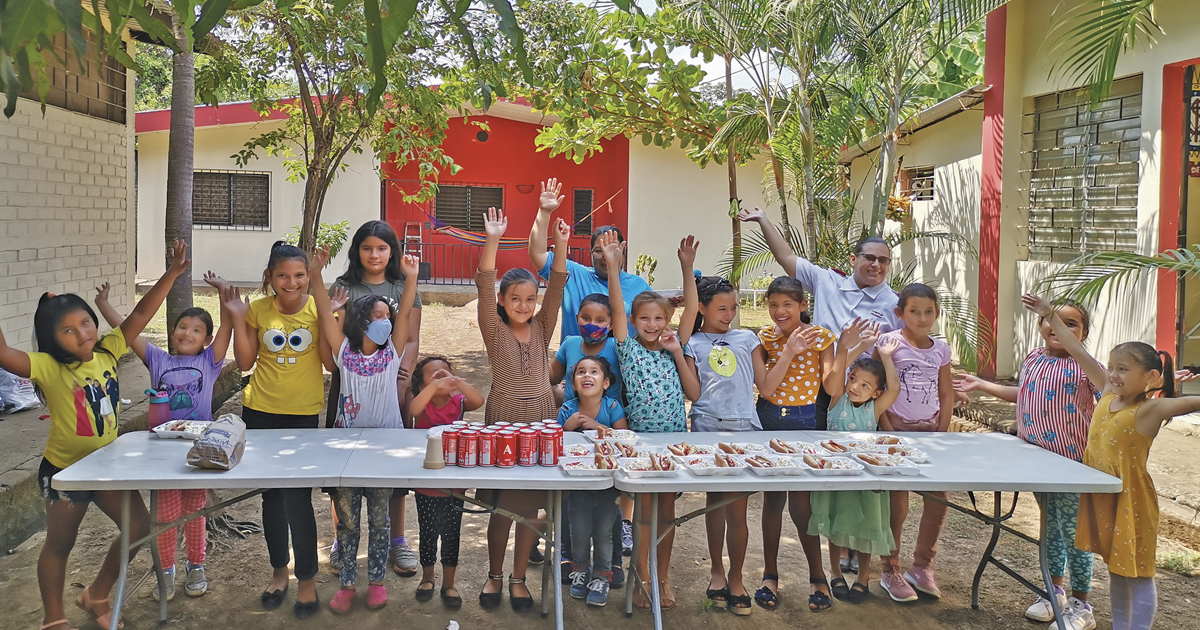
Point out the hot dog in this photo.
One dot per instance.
(731, 448)
(782, 447)
(871, 459)
(603, 431)
(888, 439)
(661, 462)
(627, 451)
(724, 461)
(834, 447)
(678, 449)
(758, 461)
(813, 461)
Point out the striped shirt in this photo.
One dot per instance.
(520, 390)
(1055, 401)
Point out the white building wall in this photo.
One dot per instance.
(67, 219)
(237, 255)
(670, 197)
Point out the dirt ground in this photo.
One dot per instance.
(238, 569)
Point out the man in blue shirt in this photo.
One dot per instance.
(583, 280)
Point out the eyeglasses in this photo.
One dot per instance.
(872, 258)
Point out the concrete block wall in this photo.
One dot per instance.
(67, 214)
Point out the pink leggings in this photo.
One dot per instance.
(933, 514)
(173, 504)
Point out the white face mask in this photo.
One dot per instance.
(379, 331)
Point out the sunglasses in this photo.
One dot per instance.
(872, 258)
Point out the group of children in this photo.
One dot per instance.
(627, 369)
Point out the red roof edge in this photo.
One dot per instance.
(206, 116)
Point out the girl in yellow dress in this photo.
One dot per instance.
(1138, 397)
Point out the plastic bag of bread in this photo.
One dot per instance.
(221, 445)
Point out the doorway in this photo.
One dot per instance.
(1189, 233)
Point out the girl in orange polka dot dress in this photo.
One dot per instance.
(797, 355)
(1138, 398)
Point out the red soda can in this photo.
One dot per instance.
(487, 447)
(450, 446)
(558, 439)
(501, 424)
(520, 425)
(527, 447)
(548, 447)
(468, 448)
(506, 449)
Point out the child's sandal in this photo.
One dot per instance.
(840, 589)
(818, 601)
(718, 596)
(740, 605)
(859, 593)
(103, 620)
(764, 596)
(490, 601)
(54, 624)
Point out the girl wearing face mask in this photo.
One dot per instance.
(368, 356)
(595, 322)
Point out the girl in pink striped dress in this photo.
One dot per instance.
(1055, 400)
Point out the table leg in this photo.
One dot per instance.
(987, 552)
(655, 598)
(556, 537)
(124, 572)
(1044, 561)
(549, 536)
(155, 557)
(633, 579)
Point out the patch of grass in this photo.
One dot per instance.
(754, 317)
(1182, 562)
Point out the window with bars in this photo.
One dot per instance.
(1083, 172)
(463, 207)
(235, 200)
(91, 86)
(917, 183)
(584, 199)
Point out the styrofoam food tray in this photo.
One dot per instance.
(712, 469)
(905, 468)
(798, 469)
(751, 448)
(624, 463)
(708, 449)
(911, 453)
(630, 441)
(583, 472)
(856, 468)
(874, 438)
(578, 450)
(192, 429)
(853, 446)
(807, 447)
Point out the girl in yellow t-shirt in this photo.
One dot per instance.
(76, 371)
(797, 354)
(277, 336)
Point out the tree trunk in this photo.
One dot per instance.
(885, 173)
(781, 190)
(180, 159)
(312, 205)
(807, 144)
(733, 190)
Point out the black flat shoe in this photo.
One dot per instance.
(425, 594)
(491, 601)
(273, 599)
(718, 596)
(304, 610)
(859, 593)
(451, 601)
(840, 589)
(519, 604)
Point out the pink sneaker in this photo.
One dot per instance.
(921, 578)
(893, 582)
(376, 597)
(341, 601)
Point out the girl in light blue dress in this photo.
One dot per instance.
(860, 519)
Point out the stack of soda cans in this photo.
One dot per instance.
(504, 444)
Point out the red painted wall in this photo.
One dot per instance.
(1170, 201)
(509, 159)
(992, 176)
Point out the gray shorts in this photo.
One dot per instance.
(710, 424)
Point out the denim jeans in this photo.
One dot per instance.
(349, 508)
(591, 515)
(786, 418)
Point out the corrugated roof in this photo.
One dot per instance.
(967, 99)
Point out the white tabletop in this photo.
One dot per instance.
(394, 458)
(958, 461)
(274, 458)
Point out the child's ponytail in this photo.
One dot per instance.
(1168, 375)
(1148, 359)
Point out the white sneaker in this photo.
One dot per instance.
(1078, 615)
(170, 577)
(1041, 609)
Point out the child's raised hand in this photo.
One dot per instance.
(1037, 304)
(887, 347)
(495, 223)
(612, 249)
(319, 259)
(670, 340)
(1185, 376)
(746, 216)
(852, 333)
(802, 339)
(102, 295)
(550, 200)
(179, 258)
(231, 299)
(411, 266)
(337, 300)
(687, 250)
(214, 281)
(560, 233)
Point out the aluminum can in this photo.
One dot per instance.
(527, 447)
(468, 448)
(548, 447)
(506, 449)
(450, 446)
(487, 447)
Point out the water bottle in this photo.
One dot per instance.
(160, 407)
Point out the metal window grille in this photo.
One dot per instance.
(235, 200)
(1083, 175)
(89, 86)
(917, 183)
(584, 200)
(463, 207)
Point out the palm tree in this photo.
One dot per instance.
(1086, 278)
(1089, 38)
